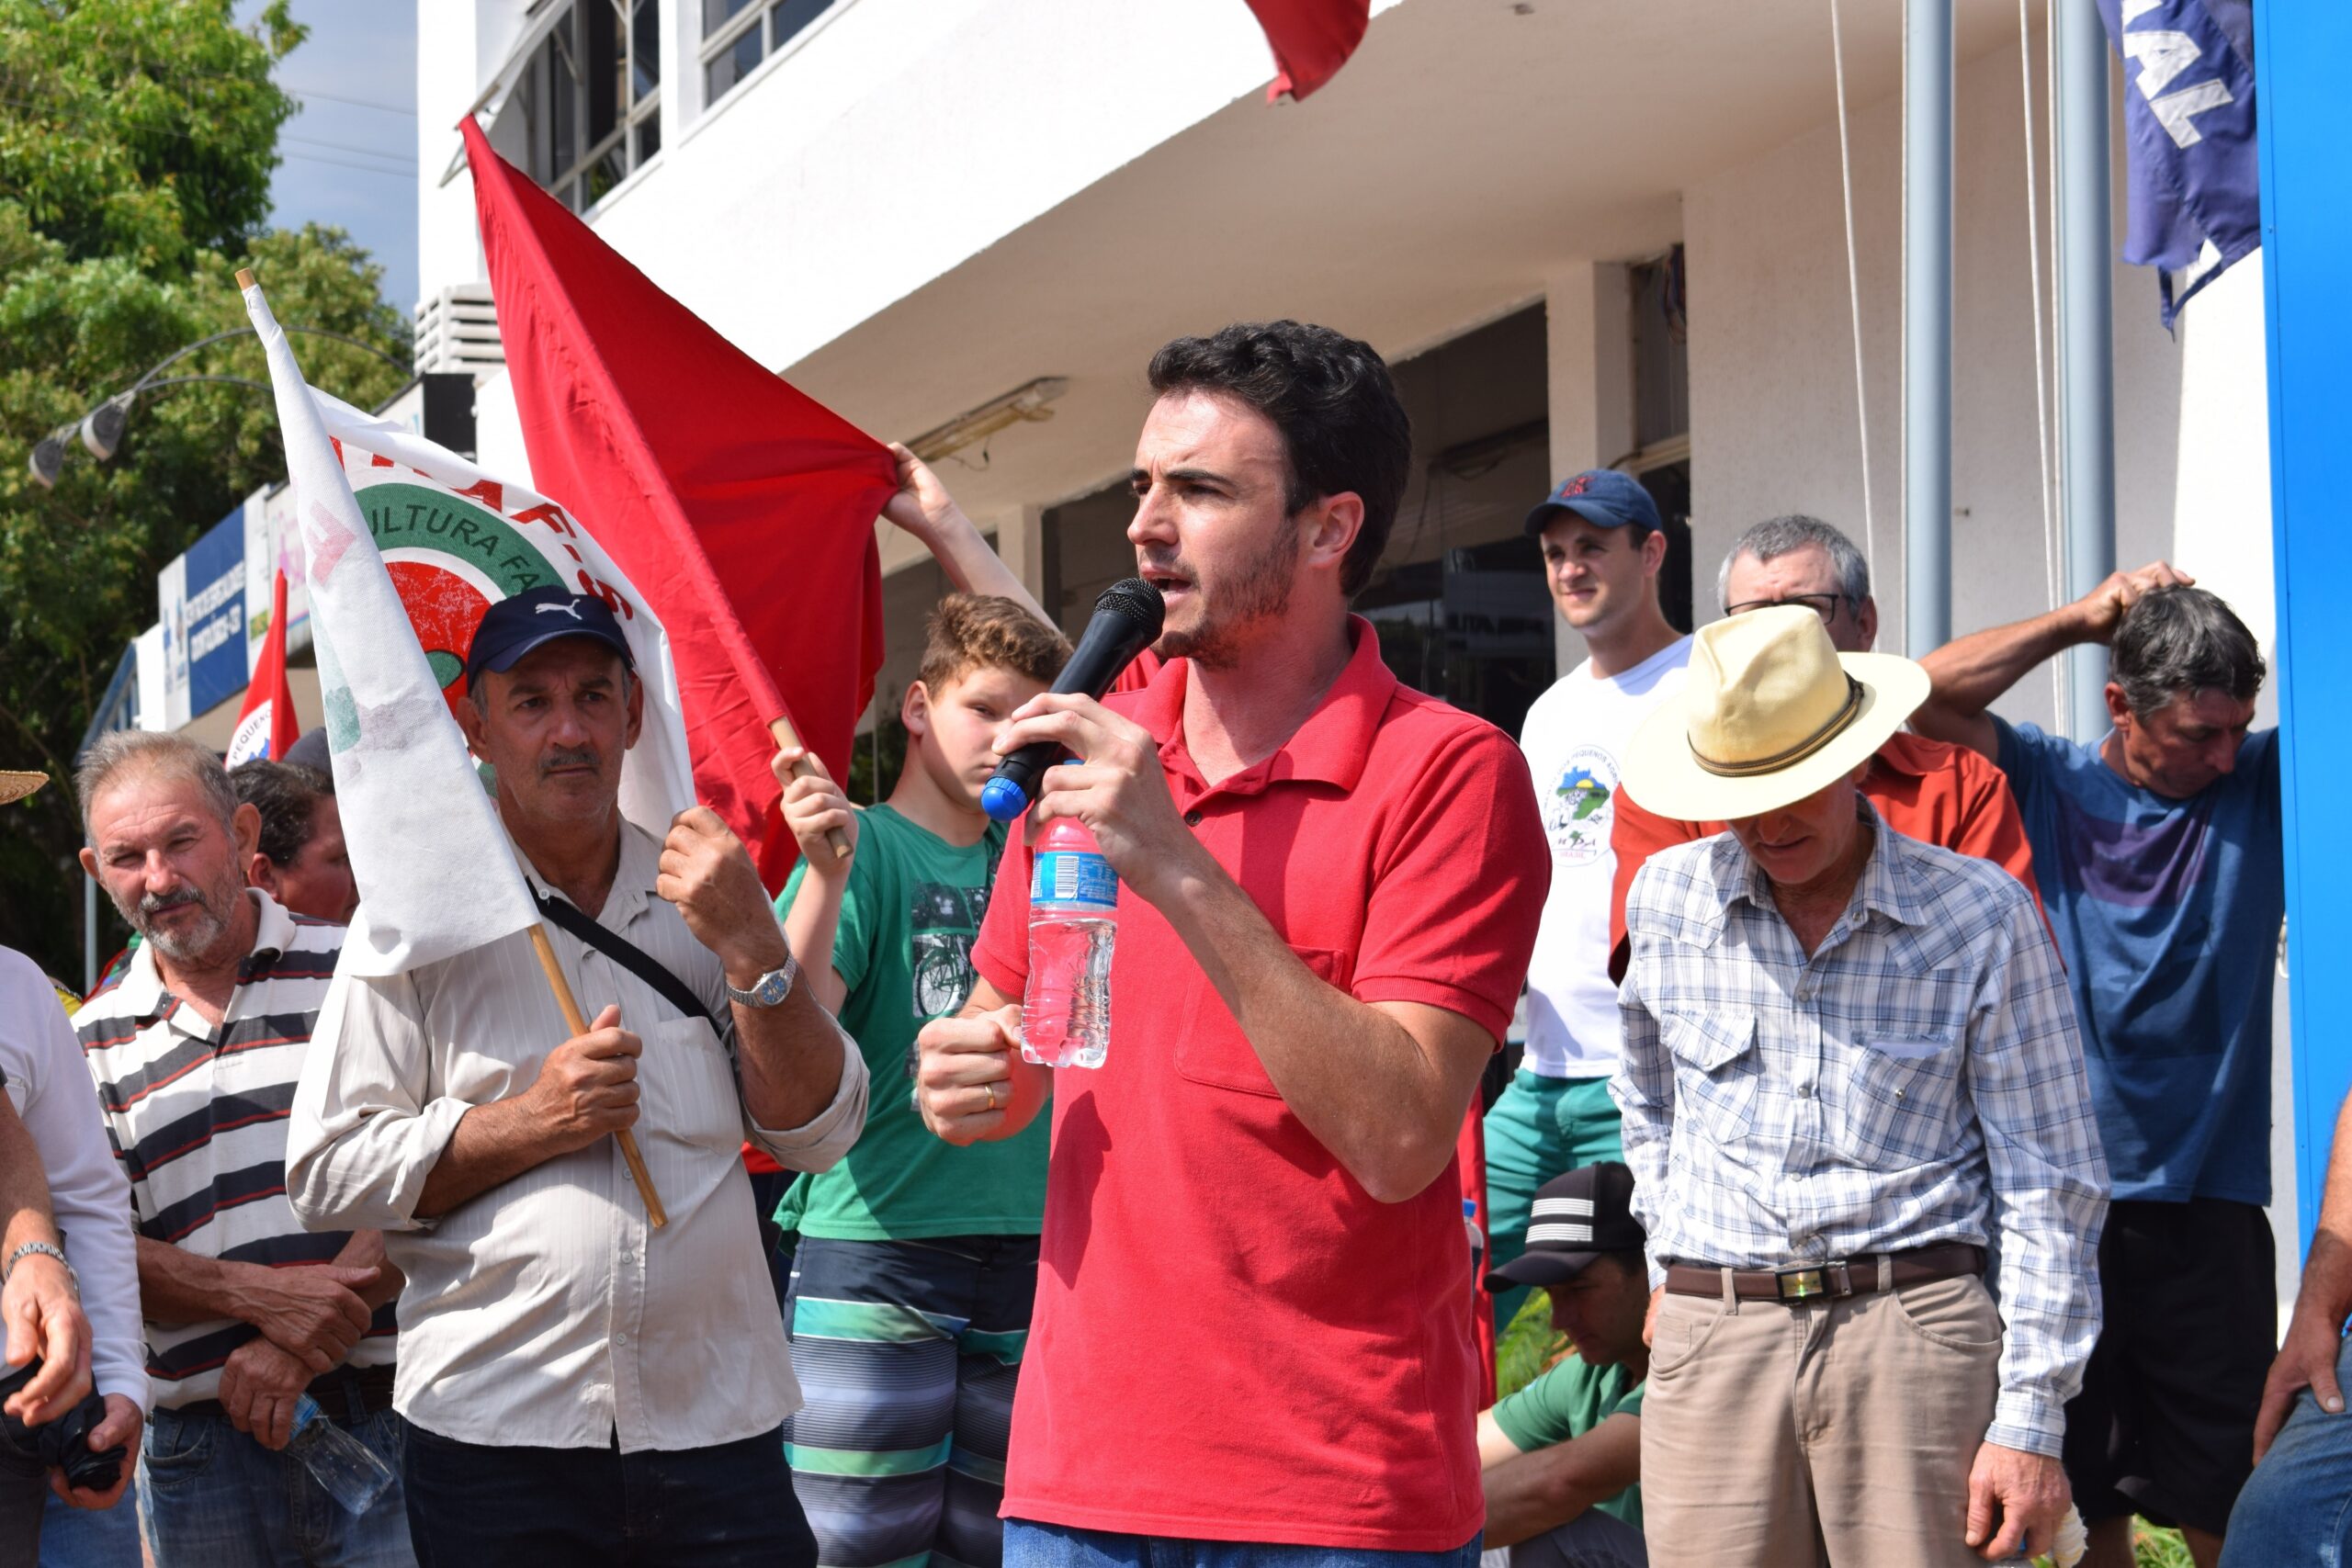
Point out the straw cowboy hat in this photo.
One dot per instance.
(16, 785)
(1769, 714)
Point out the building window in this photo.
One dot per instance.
(738, 34)
(590, 99)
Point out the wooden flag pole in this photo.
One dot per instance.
(788, 737)
(579, 1025)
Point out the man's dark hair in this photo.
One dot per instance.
(286, 794)
(1330, 396)
(2178, 641)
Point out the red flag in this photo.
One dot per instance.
(1311, 40)
(266, 725)
(742, 509)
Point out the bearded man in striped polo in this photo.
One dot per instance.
(195, 1051)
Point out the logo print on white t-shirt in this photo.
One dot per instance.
(1578, 810)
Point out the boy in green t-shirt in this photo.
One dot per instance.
(911, 1289)
(1562, 1458)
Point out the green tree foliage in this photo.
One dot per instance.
(137, 140)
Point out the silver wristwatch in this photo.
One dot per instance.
(48, 1251)
(769, 988)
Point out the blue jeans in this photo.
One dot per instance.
(1028, 1545)
(215, 1496)
(2297, 1511)
(86, 1538)
(728, 1506)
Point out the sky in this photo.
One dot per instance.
(350, 155)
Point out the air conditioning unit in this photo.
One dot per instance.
(456, 329)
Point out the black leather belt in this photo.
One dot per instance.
(348, 1394)
(1838, 1278)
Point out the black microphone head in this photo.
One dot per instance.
(1137, 601)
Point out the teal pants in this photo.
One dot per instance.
(1540, 1128)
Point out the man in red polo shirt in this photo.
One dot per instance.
(1254, 1308)
(1936, 793)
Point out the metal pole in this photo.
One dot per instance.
(89, 936)
(2086, 338)
(1927, 324)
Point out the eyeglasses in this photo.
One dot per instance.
(1822, 604)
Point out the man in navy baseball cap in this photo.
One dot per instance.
(1603, 546)
(514, 627)
(1602, 497)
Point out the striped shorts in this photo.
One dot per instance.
(907, 1353)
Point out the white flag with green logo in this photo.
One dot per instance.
(436, 874)
(456, 540)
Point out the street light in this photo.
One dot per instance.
(101, 428)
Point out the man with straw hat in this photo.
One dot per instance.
(1851, 1068)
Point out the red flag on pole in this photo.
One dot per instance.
(1311, 40)
(266, 726)
(742, 509)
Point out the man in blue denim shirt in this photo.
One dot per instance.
(2158, 851)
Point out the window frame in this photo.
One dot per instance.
(756, 16)
(562, 52)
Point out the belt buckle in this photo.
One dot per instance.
(1802, 1284)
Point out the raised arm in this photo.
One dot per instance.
(925, 509)
(1970, 674)
(813, 806)
(803, 1082)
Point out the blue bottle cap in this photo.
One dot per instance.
(1003, 800)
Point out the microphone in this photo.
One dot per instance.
(1127, 621)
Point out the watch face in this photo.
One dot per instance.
(772, 987)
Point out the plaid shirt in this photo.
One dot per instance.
(1919, 1079)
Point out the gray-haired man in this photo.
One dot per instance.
(2160, 853)
(1937, 793)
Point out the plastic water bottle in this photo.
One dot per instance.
(1073, 920)
(344, 1468)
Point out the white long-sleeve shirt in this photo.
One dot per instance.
(546, 1311)
(88, 1191)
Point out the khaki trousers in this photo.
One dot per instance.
(1839, 1432)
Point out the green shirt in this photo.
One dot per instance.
(904, 949)
(1568, 1402)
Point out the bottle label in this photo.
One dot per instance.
(1073, 876)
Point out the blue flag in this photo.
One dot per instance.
(2189, 125)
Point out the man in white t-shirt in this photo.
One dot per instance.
(1603, 544)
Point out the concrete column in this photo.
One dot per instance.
(1588, 347)
(1021, 542)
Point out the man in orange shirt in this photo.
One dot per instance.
(1934, 792)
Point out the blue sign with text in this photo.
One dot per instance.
(215, 619)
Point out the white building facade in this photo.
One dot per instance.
(1583, 231)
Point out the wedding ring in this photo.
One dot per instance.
(991, 1088)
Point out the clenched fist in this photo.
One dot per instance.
(970, 1082)
(708, 873)
(587, 1088)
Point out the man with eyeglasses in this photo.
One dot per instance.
(1937, 793)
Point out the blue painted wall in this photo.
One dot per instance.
(2300, 51)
